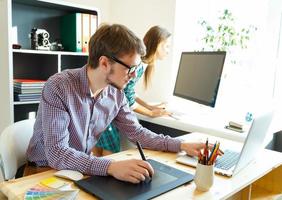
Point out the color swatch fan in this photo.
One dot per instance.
(46, 193)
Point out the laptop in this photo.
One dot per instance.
(232, 162)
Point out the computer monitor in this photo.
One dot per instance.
(199, 76)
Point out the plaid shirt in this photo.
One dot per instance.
(69, 123)
(110, 139)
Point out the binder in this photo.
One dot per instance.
(85, 31)
(93, 24)
(71, 35)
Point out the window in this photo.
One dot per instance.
(250, 82)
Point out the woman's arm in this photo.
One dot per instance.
(156, 112)
(148, 106)
(143, 103)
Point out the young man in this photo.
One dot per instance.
(77, 105)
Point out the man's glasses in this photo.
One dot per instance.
(131, 69)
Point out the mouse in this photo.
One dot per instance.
(69, 174)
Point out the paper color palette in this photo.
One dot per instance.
(42, 192)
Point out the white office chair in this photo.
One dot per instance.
(14, 141)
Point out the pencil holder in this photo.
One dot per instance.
(204, 177)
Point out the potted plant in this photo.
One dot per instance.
(225, 36)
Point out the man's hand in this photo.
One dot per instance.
(192, 149)
(133, 170)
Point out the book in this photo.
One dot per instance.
(27, 97)
(85, 31)
(28, 89)
(29, 82)
(71, 32)
(93, 24)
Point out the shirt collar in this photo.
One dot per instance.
(91, 93)
(85, 88)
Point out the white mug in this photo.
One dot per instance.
(204, 177)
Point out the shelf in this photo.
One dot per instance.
(260, 193)
(20, 17)
(25, 102)
(56, 5)
(30, 51)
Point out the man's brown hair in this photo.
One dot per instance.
(113, 40)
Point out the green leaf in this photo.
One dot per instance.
(225, 35)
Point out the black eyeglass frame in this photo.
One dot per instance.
(131, 68)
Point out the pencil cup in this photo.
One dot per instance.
(204, 177)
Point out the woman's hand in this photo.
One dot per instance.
(158, 112)
(157, 106)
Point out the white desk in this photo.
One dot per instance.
(206, 125)
(261, 179)
(200, 118)
(211, 121)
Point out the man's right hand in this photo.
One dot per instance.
(133, 170)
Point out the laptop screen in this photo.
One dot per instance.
(254, 141)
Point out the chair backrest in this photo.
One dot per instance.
(14, 141)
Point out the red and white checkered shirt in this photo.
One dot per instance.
(69, 123)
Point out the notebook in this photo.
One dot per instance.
(232, 162)
(164, 179)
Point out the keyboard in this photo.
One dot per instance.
(228, 160)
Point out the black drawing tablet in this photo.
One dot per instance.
(165, 178)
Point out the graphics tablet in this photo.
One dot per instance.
(164, 179)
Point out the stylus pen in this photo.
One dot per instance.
(141, 151)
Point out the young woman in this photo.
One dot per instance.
(157, 41)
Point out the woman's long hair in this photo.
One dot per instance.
(152, 39)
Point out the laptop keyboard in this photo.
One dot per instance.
(228, 160)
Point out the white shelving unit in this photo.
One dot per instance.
(32, 64)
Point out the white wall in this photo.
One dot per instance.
(139, 16)
(102, 5)
(5, 59)
(249, 82)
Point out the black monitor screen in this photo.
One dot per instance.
(199, 76)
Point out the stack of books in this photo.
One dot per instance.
(28, 89)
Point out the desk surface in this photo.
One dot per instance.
(197, 118)
(205, 124)
(223, 187)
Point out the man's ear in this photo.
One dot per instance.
(104, 63)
